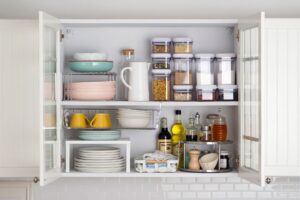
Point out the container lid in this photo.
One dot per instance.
(204, 55)
(178, 112)
(183, 55)
(161, 55)
(206, 87)
(205, 128)
(224, 153)
(182, 39)
(212, 116)
(227, 87)
(225, 55)
(183, 87)
(161, 71)
(161, 39)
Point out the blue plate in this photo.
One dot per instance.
(91, 66)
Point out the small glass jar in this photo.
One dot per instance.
(161, 45)
(183, 69)
(205, 71)
(161, 61)
(227, 93)
(224, 160)
(206, 133)
(183, 45)
(183, 92)
(219, 129)
(161, 84)
(206, 92)
(226, 69)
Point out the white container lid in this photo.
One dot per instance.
(183, 55)
(225, 55)
(161, 39)
(183, 87)
(206, 87)
(161, 55)
(204, 55)
(227, 87)
(224, 153)
(161, 71)
(182, 39)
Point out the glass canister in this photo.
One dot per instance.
(205, 70)
(183, 69)
(161, 61)
(206, 133)
(161, 84)
(226, 68)
(210, 119)
(219, 129)
(161, 45)
(183, 45)
(183, 92)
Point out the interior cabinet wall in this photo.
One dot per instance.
(19, 139)
(282, 69)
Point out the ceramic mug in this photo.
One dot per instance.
(79, 120)
(101, 120)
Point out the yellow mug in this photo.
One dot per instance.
(79, 120)
(101, 120)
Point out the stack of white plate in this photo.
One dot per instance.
(100, 135)
(99, 160)
(130, 118)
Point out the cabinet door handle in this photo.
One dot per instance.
(36, 179)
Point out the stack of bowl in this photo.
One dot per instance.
(101, 90)
(130, 118)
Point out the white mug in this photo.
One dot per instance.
(138, 81)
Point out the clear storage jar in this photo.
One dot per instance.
(161, 61)
(161, 45)
(227, 93)
(183, 92)
(206, 92)
(183, 45)
(183, 69)
(205, 70)
(226, 69)
(161, 84)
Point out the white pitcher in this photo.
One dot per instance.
(138, 81)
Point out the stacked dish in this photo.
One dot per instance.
(90, 62)
(102, 90)
(130, 118)
(100, 135)
(99, 160)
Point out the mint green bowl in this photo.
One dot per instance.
(91, 66)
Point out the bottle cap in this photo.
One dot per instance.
(178, 112)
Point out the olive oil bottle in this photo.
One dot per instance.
(178, 136)
(164, 141)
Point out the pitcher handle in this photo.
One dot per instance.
(122, 76)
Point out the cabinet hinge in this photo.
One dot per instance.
(237, 161)
(62, 159)
(62, 36)
(238, 36)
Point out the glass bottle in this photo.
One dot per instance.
(127, 56)
(164, 141)
(197, 124)
(178, 135)
(191, 131)
(219, 130)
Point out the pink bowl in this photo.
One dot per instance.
(74, 95)
(91, 84)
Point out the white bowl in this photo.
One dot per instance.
(209, 161)
(90, 56)
(134, 122)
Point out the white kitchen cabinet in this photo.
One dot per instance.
(12, 190)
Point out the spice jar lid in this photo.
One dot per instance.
(183, 55)
(161, 71)
(227, 87)
(212, 116)
(127, 51)
(161, 39)
(204, 55)
(205, 128)
(225, 55)
(183, 87)
(206, 87)
(182, 39)
(161, 55)
(224, 153)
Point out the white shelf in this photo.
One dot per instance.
(133, 174)
(120, 141)
(148, 104)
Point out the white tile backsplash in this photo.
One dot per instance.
(167, 188)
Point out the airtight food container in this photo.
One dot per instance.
(227, 93)
(206, 92)
(183, 45)
(161, 45)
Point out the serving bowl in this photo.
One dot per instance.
(90, 96)
(89, 56)
(91, 66)
(133, 122)
(209, 161)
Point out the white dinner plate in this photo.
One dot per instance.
(89, 170)
(99, 149)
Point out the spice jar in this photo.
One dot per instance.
(206, 133)
(161, 61)
(205, 71)
(226, 69)
(183, 69)
(161, 84)
(224, 160)
(161, 45)
(183, 45)
(227, 93)
(206, 92)
(183, 92)
(219, 129)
